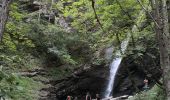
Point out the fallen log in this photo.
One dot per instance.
(117, 98)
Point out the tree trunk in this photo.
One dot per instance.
(162, 33)
(165, 20)
(3, 15)
(168, 8)
(165, 46)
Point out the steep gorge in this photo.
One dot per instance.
(67, 55)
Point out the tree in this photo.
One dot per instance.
(4, 4)
(162, 33)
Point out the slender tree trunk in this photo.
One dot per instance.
(40, 11)
(165, 47)
(165, 20)
(168, 9)
(3, 15)
(162, 33)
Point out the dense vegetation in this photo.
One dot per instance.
(61, 36)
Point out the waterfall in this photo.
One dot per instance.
(118, 57)
(115, 64)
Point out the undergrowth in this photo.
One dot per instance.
(156, 93)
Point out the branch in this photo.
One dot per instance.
(148, 13)
(124, 10)
(97, 18)
(121, 7)
(129, 16)
(157, 25)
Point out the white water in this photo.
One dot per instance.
(108, 53)
(115, 64)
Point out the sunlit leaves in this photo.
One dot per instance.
(15, 14)
(16, 30)
(8, 44)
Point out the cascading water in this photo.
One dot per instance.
(115, 64)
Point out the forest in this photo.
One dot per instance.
(84, 50)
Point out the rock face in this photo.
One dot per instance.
(132, 73)
(93, 78)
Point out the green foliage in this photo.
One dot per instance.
(98, 61)
(15, 33)
(12, 57)
(13, 87)
(63, 55)
(53, 40)
(16, 13)
(60, 72)
(110, 14)
(27, 89)
(29, 42)
(156, 93)
(10, 60)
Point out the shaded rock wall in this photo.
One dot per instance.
(129, 80)
(91, 80)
